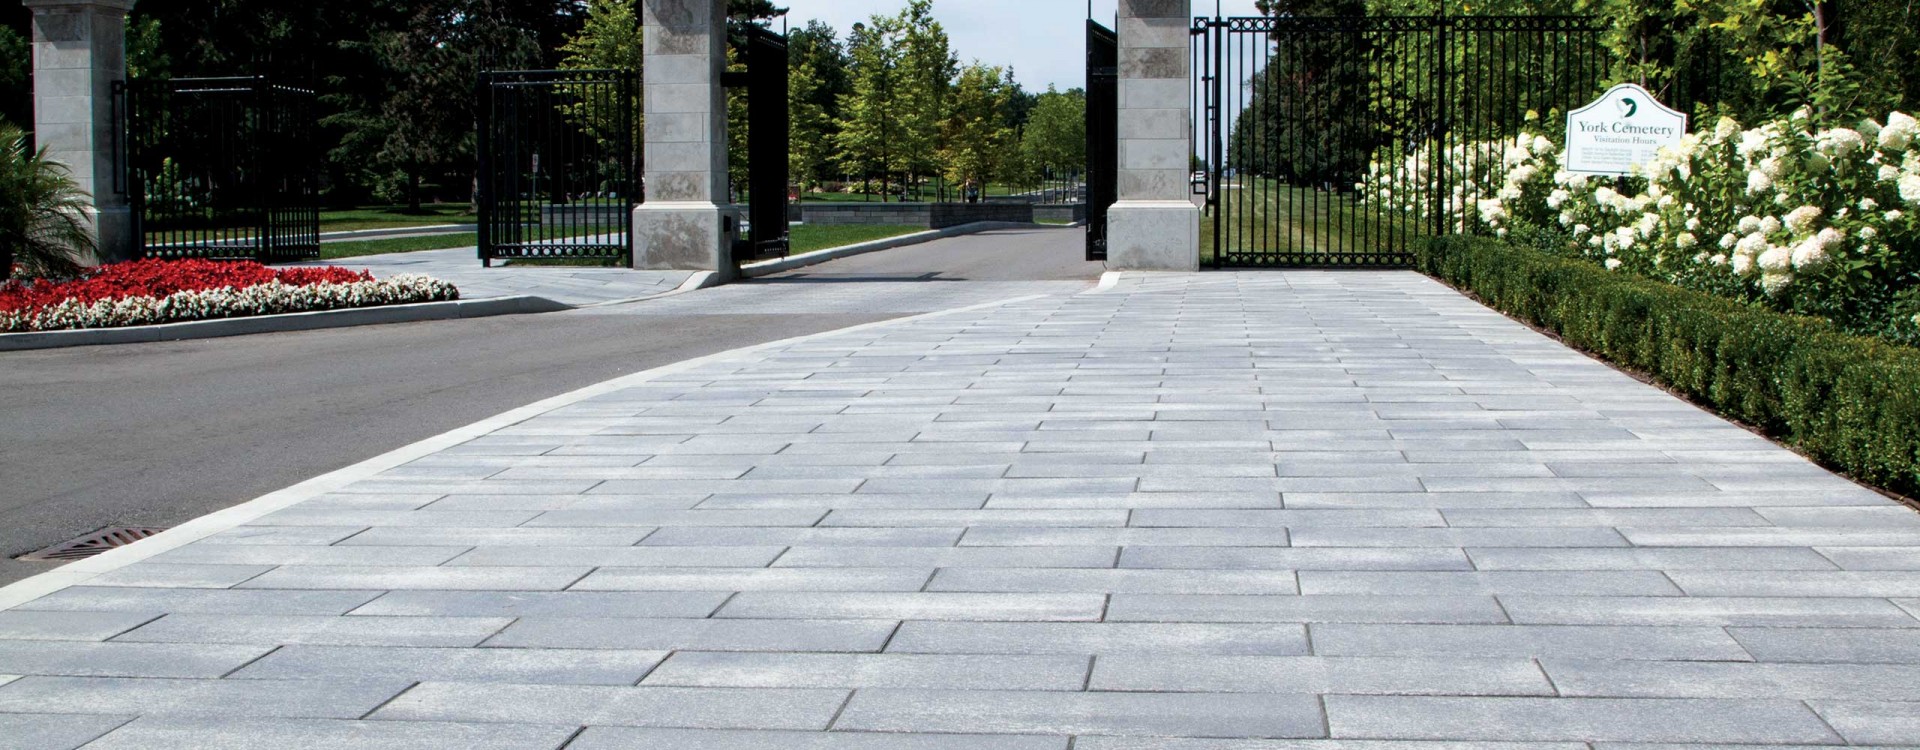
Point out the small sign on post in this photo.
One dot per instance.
(1621, 131)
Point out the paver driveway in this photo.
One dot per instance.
(1196, 512)
(570, 285)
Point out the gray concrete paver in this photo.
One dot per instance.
(1256, 511)
(29, 731)
(1578, 720)
(624, 738)
(216, 733)
(712, 708)
(120, 696)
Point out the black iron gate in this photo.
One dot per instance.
(222, 168)
(1103, 134)
(558, 164)
(769, 140)
(1297, 112)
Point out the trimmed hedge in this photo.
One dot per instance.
(1850, 403)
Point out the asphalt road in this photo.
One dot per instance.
(159, 434)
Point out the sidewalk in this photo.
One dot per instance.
(1194, 512)
(573, 286)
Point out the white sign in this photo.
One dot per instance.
(1623, 130)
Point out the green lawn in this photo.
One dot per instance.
(1266, 217)
(807, 238)
(335, 250)
(393, 217)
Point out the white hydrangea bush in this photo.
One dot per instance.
(1490, 181)
(1821, 221)
(272, 298)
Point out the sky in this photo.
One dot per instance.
(1044, 40)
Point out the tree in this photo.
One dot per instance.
(1020, 103)
(741, 13)
(1298, 123)
(43, 213)
(927, 70)
(870, 127)
(1054, 140)
(1749, 58)
(610, 39)
(976, 132)
(428, 115)
(818, 79)
(16, 73)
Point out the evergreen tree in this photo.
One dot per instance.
(1020, 103)
(818, 79)
(427, 118)
(819, 46)
(1305, 120)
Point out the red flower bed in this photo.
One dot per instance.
(160, 278)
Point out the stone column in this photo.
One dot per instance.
(686, 222)
(1155, 225)
(79, 50)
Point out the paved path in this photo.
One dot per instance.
(573, 286)
(1198, 512)
(159, 434)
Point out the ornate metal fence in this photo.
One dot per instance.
(224, 168)
(557, 173)
(1296, 112)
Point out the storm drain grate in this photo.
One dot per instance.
(91, 544)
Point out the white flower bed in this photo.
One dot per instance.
(271, 298)
(1829, 218)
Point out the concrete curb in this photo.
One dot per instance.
(783, 265)
(76, 573)
(698, 281)
(306, 321)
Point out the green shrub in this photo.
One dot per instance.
(1850, 403)
(44, 227)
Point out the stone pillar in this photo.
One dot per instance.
(1155, 225)
(79, 50)
(686, 222)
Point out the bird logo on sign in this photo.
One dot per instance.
(1629, 108)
